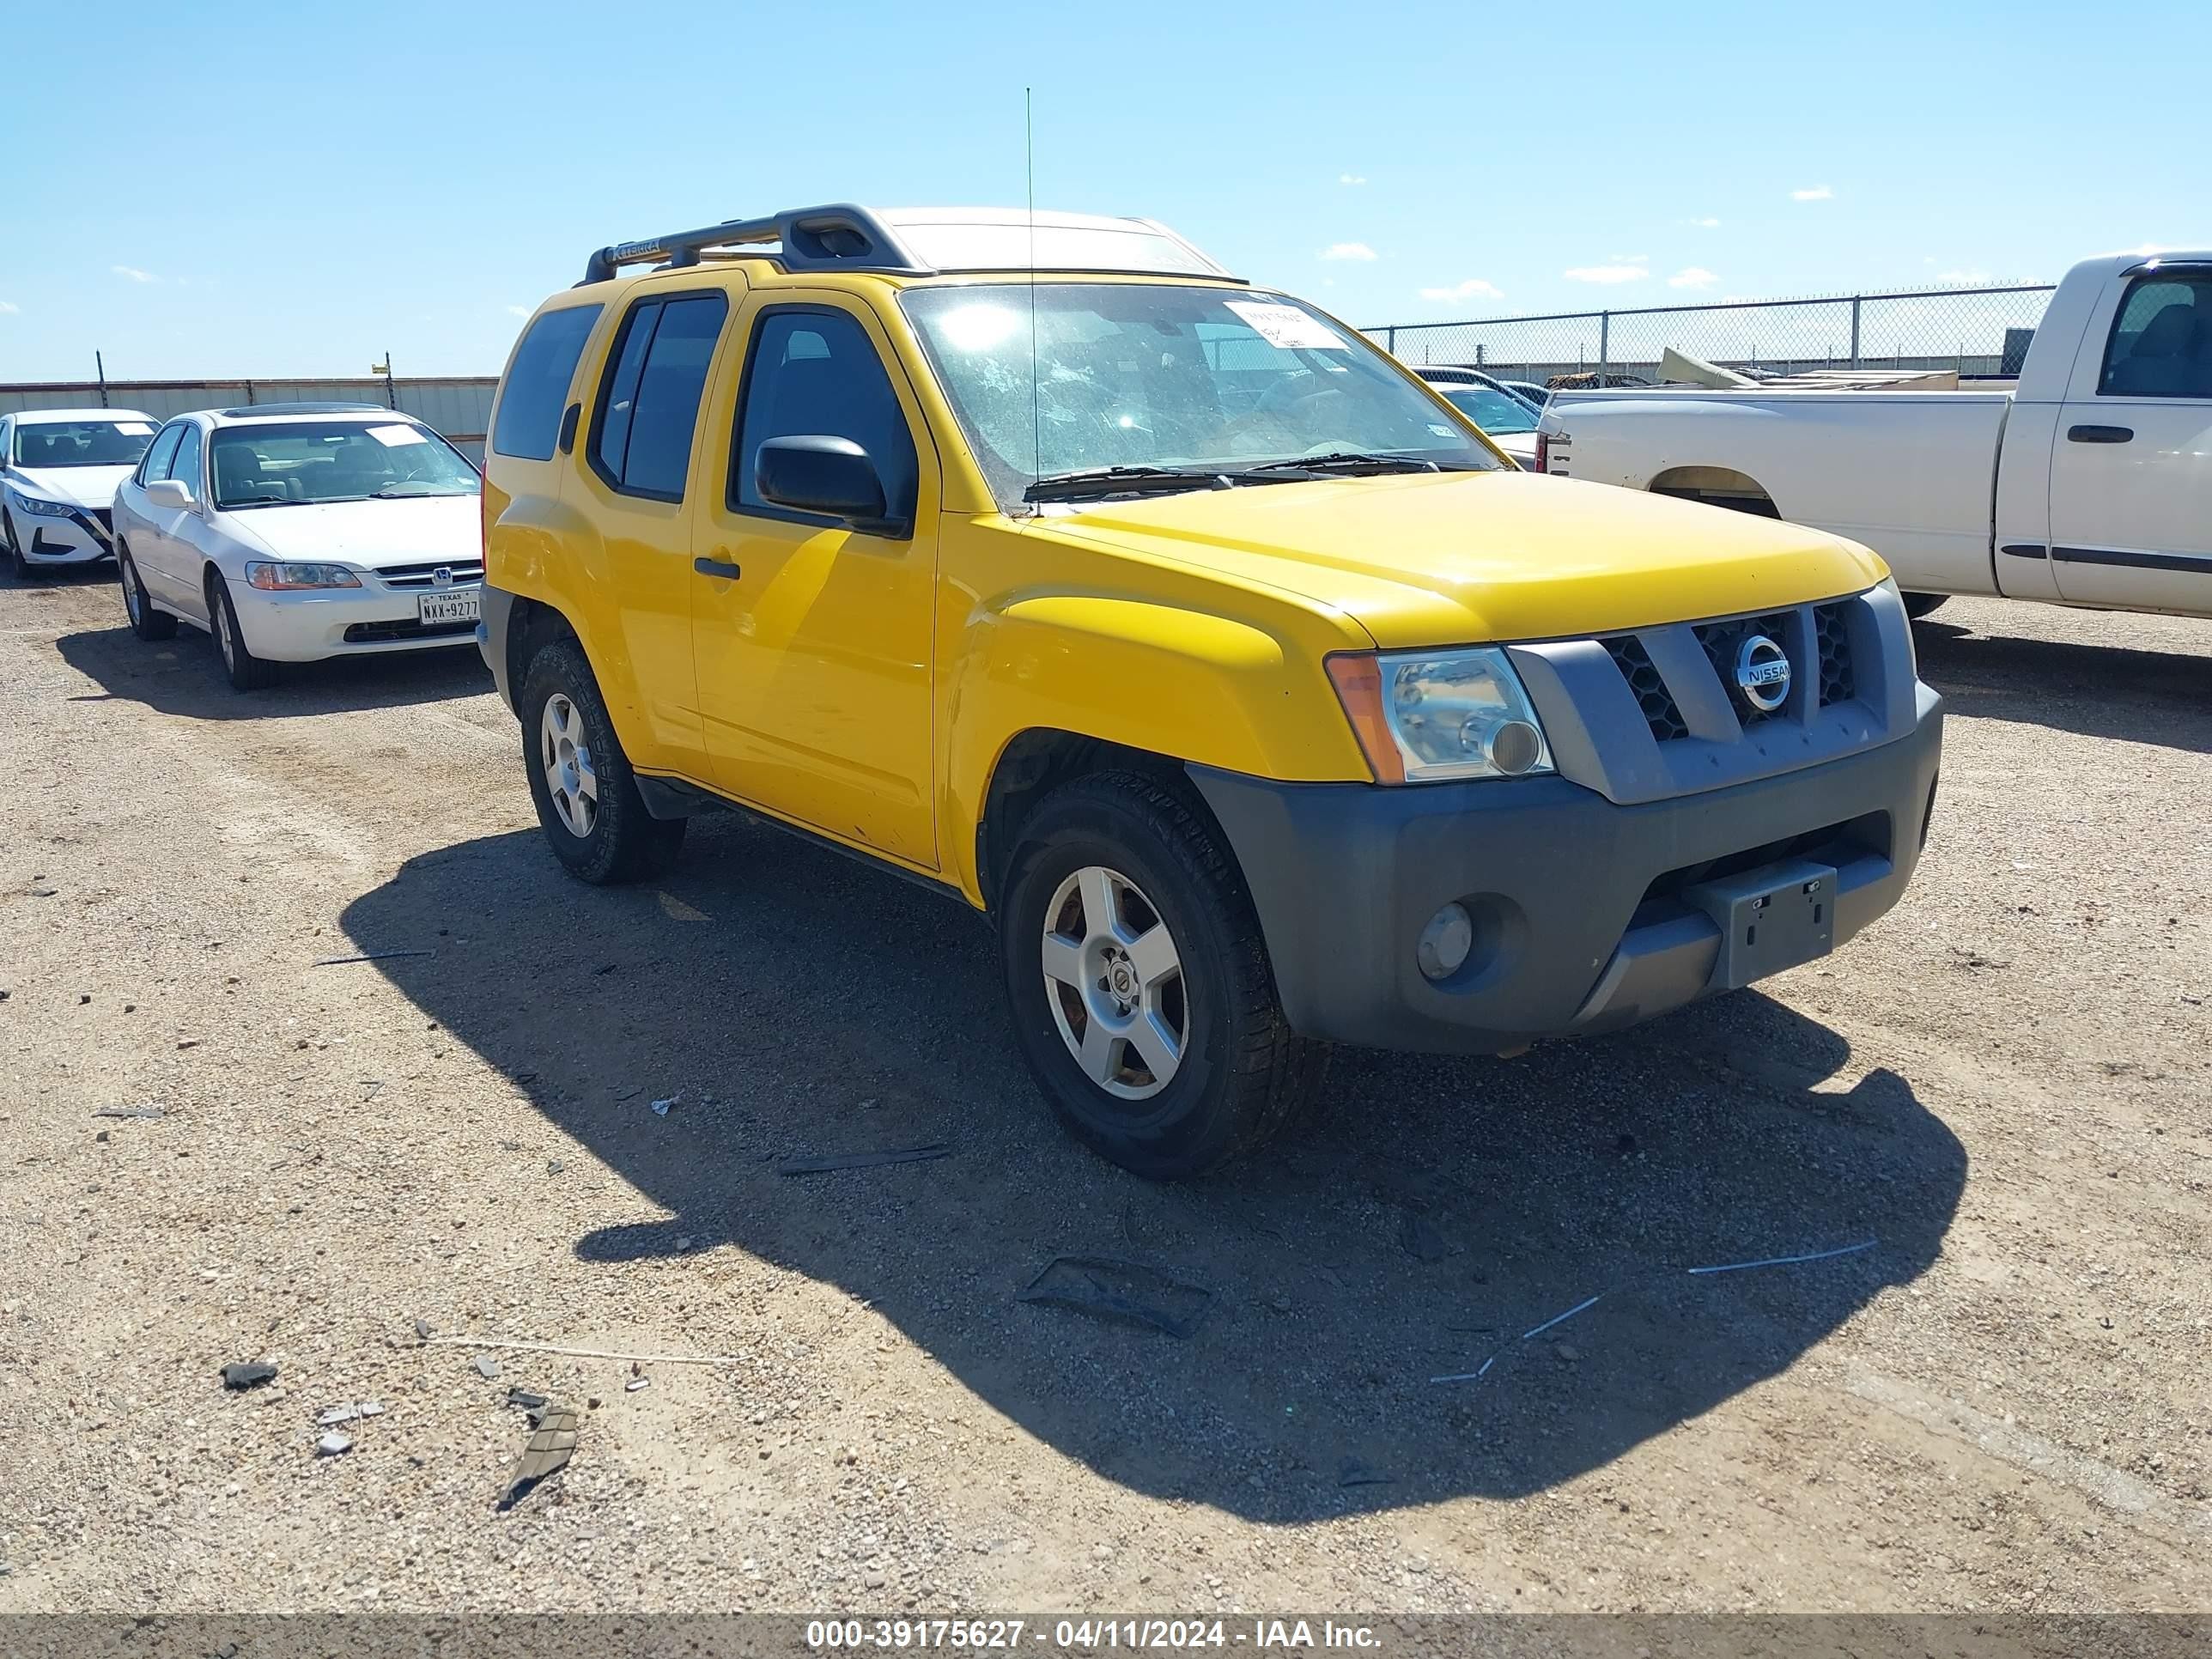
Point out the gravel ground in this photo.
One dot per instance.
(2001, 1405)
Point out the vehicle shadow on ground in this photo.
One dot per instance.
(2163, 697)
(184, 676)
(1436, 1211)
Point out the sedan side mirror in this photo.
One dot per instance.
(835, 477)
(173, 493)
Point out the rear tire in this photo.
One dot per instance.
(147, 622)
(18, 566)
(1124, 875)
(596, 821)
(247, 673)
(1918, 605)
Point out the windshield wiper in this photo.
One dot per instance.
(407, 492)
(1349, 461)
(1095, 482)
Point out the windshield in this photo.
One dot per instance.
(83, 443)
(1494, 412)
(301, 461)
(1144, 376)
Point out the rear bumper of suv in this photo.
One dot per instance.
(1586, 916)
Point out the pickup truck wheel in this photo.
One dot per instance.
(1918, 605)
(1140, 984)
(147, 622)
(586, 797)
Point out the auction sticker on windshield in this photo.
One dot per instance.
(396, 437)
(1289, 327)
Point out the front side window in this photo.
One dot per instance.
(163, 454)
(2161, 342)
(1203, 380)
(536, 390)
(91, 442)
(296, 462)
(185, 468)
(1493, 411)
(649, 404)
(817, 373)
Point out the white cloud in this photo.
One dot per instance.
(1813, 193)
(1704, 224)
(1348, 251)
(517, 311)
(1473, 289)
(1693, 277)
(1350, 178)
(10, 309)
(1614, 273)
(134, 273)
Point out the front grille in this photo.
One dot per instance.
(1833, 642)
(462, 573)
(1659, 711)
(1722, 640)
(383, 633)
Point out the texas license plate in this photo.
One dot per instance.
(446, 607)
(1778, 916)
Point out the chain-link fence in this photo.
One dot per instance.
(1980, 333)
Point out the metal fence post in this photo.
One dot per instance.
(1857, 300)
(1390, 345)
(1604, 347)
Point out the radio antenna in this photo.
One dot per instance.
(1029, 160)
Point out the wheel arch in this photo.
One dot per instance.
(1716, 486)
(532, 625)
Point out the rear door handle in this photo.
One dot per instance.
(720, 568)
(2099, 434)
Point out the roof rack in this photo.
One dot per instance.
(842, 236)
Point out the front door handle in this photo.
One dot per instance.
(2099, 434)
(720, 568)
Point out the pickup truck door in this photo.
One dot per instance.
(814, 638)
(2131, 459)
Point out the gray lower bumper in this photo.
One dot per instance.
(1588, 916)
(491, 637)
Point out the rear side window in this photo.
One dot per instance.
(158, 458)
(649, 404)
(186, 467)
(2162, 344)
(817, 373)
(536, 389)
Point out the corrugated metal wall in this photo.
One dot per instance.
(459, 407)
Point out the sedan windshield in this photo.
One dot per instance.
(1146, 387)
(298, 462)
(83, 443)
(1494, 412)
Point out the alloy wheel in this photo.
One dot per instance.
(1114, 980)
(565, 753)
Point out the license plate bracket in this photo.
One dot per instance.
(1780, 916)
(463, 605)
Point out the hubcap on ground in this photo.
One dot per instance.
(1114, 978)
(566, 754)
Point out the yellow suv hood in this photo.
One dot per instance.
(1466, 557)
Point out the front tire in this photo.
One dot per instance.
(1918, 605)
(148, 623)
(1140, 985)
(247, 673)
(586, 796)
(19, 567)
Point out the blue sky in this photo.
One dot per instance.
(214, 188)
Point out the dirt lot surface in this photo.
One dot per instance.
(2007, 1084)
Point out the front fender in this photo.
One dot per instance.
(1189, 685)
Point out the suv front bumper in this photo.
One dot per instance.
(1587, 913)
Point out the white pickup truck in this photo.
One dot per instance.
(2089, 484)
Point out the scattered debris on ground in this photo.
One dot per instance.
(247, 1374)
(797, 1166)
(132, 1111)
(1127, 1292)
(662, 1108)
(524, 1399)
(552, 1443)
(349, 1411)
(370, 956)
(487, 1367)
(333, 1445)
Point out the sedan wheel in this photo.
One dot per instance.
(565, 753)
(1113, 981)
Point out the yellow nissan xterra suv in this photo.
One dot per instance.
(1257, 699)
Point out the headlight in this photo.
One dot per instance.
(1452, 715)
(271, 578)
(39, 508)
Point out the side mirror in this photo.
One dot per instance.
(173, 493)
(826, 474)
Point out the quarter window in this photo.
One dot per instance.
(818, 374)
(536, 389)
(186, 468)
(2162, 344)
(649, 404)
(164, 451)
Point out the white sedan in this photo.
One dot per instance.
(59, 470)
(294, 532)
